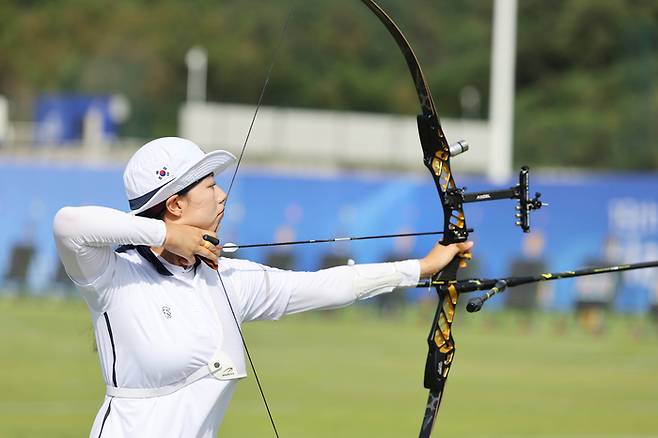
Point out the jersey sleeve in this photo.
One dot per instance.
(343, 285)
(269, 293)
(85, 238)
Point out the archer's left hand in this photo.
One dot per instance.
(439, 257)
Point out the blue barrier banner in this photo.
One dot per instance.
(59, 119)
(592, 219)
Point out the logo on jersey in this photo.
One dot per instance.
(166, 311)
(162, 172)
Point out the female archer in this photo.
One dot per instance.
(166, 307)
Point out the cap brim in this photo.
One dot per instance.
(213, 162)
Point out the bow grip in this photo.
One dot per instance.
(439, 341)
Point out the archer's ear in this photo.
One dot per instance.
(174, 205)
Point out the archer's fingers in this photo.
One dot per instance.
(463, 249)
(465, 246)
(207, 253)
(464, 253)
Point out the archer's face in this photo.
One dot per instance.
(203, 205)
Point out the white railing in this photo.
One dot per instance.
(288, 137)
(327, 138)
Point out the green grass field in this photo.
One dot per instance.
(349, 374)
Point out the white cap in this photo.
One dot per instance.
(165, 166)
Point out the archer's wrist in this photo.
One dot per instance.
(425, 268)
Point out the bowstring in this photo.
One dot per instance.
(251, 362)
(275, 55)
(235, 172)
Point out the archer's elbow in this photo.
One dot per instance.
(64, 223)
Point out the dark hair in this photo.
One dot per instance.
(156, 211)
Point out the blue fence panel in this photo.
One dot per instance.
(585, 212)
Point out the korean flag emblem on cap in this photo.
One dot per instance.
(162, 172)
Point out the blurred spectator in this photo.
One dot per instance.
(334, 258)
(523, 299)
(20, 259)
(62, 283)
(595, 293)
(653, 305)
(282, 257)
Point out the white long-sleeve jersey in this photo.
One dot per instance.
(157, 323)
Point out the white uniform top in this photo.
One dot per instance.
(157, 323)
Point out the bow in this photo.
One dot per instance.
(436, 157)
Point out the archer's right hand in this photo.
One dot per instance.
(187, 242)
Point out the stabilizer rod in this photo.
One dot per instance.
(477, 284)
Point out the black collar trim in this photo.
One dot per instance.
(148, 255)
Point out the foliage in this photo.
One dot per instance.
(587, 93)
(586, 88)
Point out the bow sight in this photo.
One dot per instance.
(455, 197)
